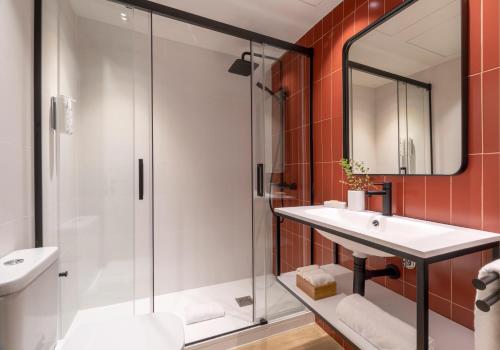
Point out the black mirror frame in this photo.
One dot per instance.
(465, 87)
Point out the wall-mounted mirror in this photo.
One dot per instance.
(404, 88)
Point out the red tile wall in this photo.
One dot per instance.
(471, 199)
(294, 80)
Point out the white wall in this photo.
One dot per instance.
(446, 115)
(363, 121)
(202, 153)
(16, 126)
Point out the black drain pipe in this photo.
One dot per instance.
(361, 274)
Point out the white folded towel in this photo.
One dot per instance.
(304, 269)
(381, 329)
(318, 278)
(487, 324)
(202, 312)
(335, 204)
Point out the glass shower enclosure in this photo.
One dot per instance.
(167, 145)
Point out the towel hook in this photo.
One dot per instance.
(481, 283)
(486, 303)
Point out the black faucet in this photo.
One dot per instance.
(386, 194)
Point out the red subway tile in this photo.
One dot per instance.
(318, 183)
(327, 23)
(326, 61)
(438, 199)
(475, 122)
(338, 14)
(349, 6)
(326, 97)
(440, 305)
(414, 196)
(474, 36)
(491, 189)
(318, 31)
(337, 47)
(361, 17)
(337, 103)
(491, 111)
(347, 28)
(337, 132)
(440, 279)
(327, 181)
(464, 269)
(317, 102)
(466, 195)
(462, 316)
(391, 4)
(375, 10)
(317, 149)
(326, 140)
(317, 60)
(336, 184)
(491, 34)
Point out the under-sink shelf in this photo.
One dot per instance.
(446, 333)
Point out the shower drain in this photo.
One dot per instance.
(244, 301)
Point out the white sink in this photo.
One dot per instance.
(355, 220)
(374, 223)
(416, 237)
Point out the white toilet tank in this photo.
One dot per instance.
(28, 299)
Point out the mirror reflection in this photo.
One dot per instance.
(404, 88)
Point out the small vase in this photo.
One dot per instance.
(356, 200)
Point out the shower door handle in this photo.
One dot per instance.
(141, 179)
(260, 180)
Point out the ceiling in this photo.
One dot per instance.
(283, 19)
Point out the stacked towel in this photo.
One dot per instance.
(487, 324)
(378, 327)
(315, 275)
(202, 312)
(302, 270)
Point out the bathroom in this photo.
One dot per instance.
(181, 174)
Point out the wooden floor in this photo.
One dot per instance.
(310, 337)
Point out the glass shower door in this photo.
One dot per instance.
(96, 66)
(280, 172)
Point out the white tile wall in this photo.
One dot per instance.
(16, 145)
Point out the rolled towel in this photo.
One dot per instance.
(381, 329)
(202, 312)
(318, 278)
(304, 269)
(487, 324)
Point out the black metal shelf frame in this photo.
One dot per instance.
(422, 267)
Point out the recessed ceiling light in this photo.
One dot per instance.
(124, 16)
(314, 3)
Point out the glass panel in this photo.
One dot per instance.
(202, 175)
(100, 51)
(280, 145)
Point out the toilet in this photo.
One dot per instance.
(28, 299)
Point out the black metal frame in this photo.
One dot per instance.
(422, 266)
(464, 69)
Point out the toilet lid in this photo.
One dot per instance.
(159, 331)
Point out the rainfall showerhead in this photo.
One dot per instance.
(242, 67)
